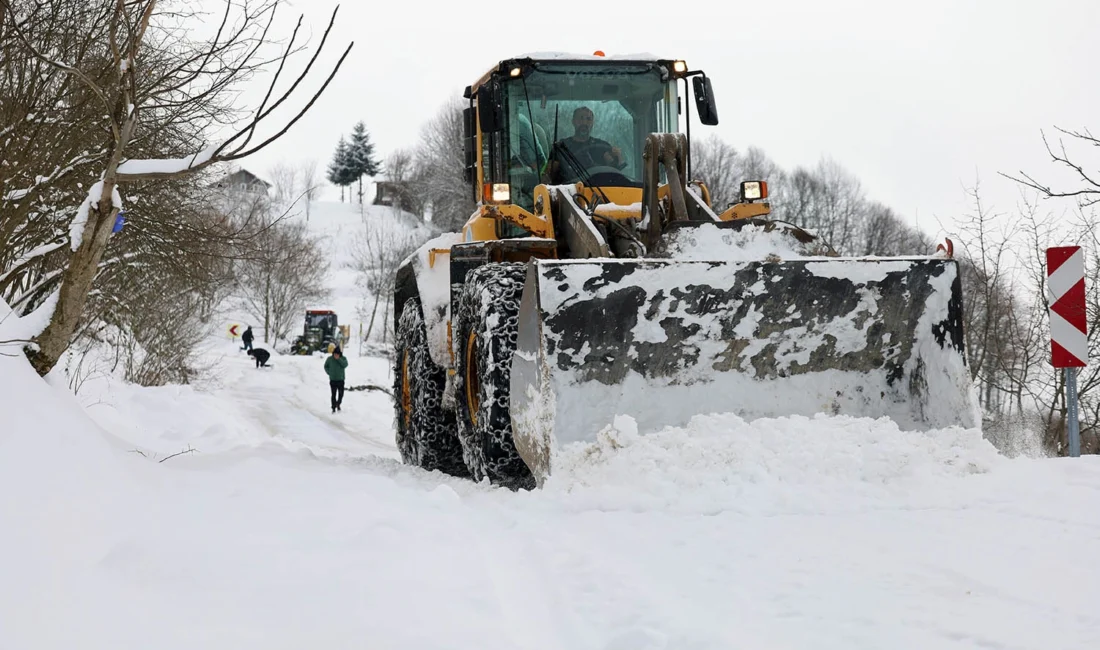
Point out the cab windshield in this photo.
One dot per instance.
(322, 321)
(568, 122)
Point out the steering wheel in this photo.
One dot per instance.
(596, 151)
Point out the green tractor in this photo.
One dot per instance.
(321, 331)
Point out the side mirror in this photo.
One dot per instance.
(469, 143)
(704, 101)
(489, 111)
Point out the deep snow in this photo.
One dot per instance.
(290, 527)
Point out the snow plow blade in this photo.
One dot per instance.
(665, 340)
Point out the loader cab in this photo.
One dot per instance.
(561, 121)
(322, 320)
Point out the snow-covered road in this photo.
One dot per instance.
(285, 405)
(826, 533)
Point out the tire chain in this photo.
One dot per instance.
(491, 294)
(429, 441)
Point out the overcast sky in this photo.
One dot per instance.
(917, 102)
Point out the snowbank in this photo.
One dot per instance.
(64, 501)
(20, 330)
(746, 244)
(820, 465)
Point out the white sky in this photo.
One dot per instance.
(916, 102)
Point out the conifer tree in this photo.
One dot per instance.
(340, 170)
(361, 158)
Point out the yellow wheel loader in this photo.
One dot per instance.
(594, 279)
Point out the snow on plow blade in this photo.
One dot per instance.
(664, 340)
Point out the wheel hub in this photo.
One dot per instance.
(406, 390)
(472, 381)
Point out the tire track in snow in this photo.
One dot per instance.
(338, 421)
(281, 401)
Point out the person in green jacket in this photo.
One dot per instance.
(334, 366)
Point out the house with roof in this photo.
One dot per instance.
(243, 181)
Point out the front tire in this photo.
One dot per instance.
(425, 430)
(485, 340)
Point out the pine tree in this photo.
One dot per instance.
(361, 158)
(340, 170)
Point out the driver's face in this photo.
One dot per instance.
(582, 123)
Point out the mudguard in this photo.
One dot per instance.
(419, 277)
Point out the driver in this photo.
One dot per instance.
(589, 151)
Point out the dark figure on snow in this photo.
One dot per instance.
(246, 338)
(334, 366)
(261, 356)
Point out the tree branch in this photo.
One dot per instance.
(64, 68)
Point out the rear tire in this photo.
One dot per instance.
(485, 340)
(425, 430)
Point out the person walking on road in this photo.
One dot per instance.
(334, 366)
(246, 338)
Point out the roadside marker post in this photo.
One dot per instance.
(1069, 343)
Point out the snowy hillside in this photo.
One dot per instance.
(282, 525)
(344, 229)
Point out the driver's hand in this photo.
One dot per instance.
(613, 157)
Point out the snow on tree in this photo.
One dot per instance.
(340, 169)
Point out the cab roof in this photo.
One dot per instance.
(564, 57)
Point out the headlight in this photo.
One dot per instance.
(496, 193)
(754, 190)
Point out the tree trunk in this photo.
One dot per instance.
(267, 306)
(77, 279)
(370, 326)
(76, 282)
(386, 320)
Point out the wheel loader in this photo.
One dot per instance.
(321, 332)
(595, 279)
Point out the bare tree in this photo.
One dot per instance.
(377, 250)
(884, 233)
(718, 165)
(137, 85)
(1047, 231)
(401, 173)
(294, 185)
(46, 148)
(1003, 261)
(1088, 192)
(440, 161)
(311, 180)
(285, 185)
(281, 271)
(985, 239)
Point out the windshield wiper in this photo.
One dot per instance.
(531, 119)
(582, 172)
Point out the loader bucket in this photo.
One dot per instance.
(664, 340)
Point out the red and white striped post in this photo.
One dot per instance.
(1069, 343)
